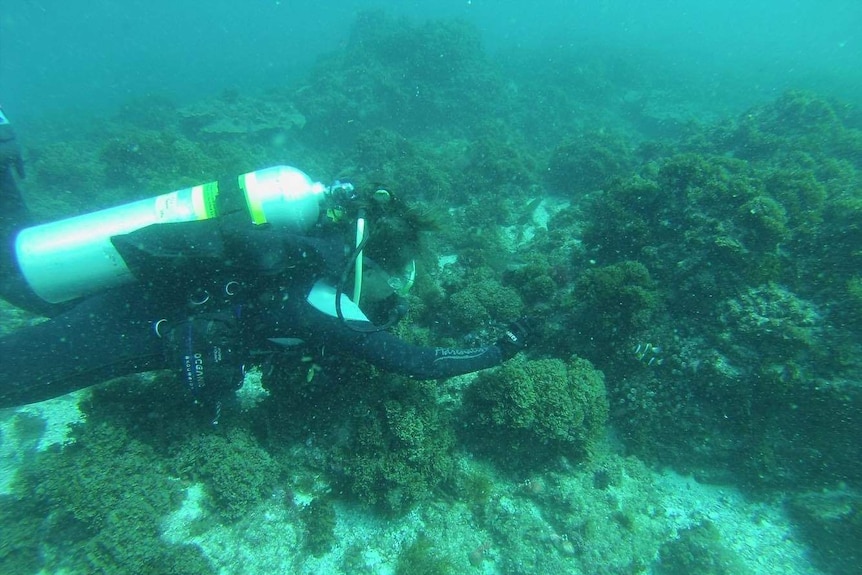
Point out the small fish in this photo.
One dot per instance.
(649, 353)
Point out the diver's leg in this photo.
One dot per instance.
(13, 211)
(105, 336)
(14, 216)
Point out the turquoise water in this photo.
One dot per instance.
(673, 193)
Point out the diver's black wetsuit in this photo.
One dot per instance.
(112, 333)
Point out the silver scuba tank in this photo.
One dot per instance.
(73, 257)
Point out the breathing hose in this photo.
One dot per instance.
(354, 262)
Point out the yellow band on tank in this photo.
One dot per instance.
(252, 200)
(204, 200)
(210, 195)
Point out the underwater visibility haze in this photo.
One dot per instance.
(671, 191)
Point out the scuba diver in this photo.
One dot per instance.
(209, 280)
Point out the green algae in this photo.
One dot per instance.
(532, 411)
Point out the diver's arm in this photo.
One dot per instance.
(311, 322)
(390, 353)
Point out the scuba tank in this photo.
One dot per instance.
(70, 258)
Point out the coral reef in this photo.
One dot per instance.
(832, 522)
(155, 160)
(588, 163)
(732, 249)
(235, 114)
(404, 76)
(772, 322)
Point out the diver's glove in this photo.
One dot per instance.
(10, 152)
(207, 350)
(515, 339)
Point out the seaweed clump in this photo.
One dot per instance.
(100, 501)
(237, 471)
(613, 305)
(400, 447)
(530, 411)
(588, 163)
(420, 558)
(482, 301)
(319, 519)
(699, 550)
